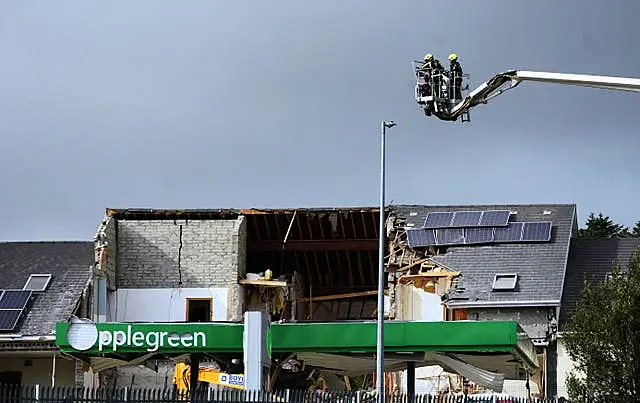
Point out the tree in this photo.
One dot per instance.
(635, 232)
(603, 338)
(602, 227)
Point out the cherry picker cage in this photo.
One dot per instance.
(435, 91)
(438, 91)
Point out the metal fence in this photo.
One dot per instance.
(46, 394)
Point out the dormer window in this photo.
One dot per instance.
(505, 282)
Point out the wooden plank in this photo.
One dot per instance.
(439, 274)
(338, 296)
(263, 283)
(311, 245)
(416, 263)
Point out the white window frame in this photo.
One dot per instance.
(502, 275)
(46, 284)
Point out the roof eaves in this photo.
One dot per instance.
(223, 213)
(21, 338)
(502, 304)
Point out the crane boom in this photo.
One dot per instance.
(502, 82)
(606, 82)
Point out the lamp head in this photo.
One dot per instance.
(389, 124)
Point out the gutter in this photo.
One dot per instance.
(19, 337)
(502, 304)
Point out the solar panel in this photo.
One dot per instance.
(537, 231)
(478, 235)
(466, 218)
(439, 219)
(421, 237)
(15, 299)
(494, 218)
(510, 233)
(450, 236)
(9, 318)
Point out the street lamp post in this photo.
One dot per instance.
(380, 342)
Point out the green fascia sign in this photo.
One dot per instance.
(97, 338)
(332, 337)
(399, 336)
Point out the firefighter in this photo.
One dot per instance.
(424, 72)
(435, 70)
(455, 75)
(431, 62)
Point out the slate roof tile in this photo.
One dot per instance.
(592, 259)
(69, 263)
(540, 266)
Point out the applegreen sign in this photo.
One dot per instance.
(505, 337)
(90, 337)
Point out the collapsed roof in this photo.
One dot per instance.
(336, 248)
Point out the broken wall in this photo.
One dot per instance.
(183, 253)
(415, 304)
(105, 251)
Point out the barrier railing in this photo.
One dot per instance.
(67, 394)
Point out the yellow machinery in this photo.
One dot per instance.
(183, 373)
(182, 377)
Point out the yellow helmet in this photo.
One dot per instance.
(453, 56)
(428, 56)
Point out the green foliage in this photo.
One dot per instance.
(603, 339)
(635, 232)
(601, 226)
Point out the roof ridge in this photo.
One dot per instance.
(489, 204)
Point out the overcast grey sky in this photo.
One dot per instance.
(207, 104)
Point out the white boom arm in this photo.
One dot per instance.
(510, 79)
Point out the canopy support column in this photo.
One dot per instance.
(411, 380)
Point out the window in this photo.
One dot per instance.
(460, 314)
(199, 309)
(37, 282)
(505, 282)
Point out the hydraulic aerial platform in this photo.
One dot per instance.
(451, 109)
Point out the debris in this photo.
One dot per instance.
(262, 289)
(436, 280)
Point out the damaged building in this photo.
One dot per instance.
(444, 263)
(492, 263)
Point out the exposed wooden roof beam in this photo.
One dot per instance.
(314, 245)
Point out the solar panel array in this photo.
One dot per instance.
(463, 219)
(12, 305)
(521, 231)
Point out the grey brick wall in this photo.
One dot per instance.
(208, 253)
(532, 320)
